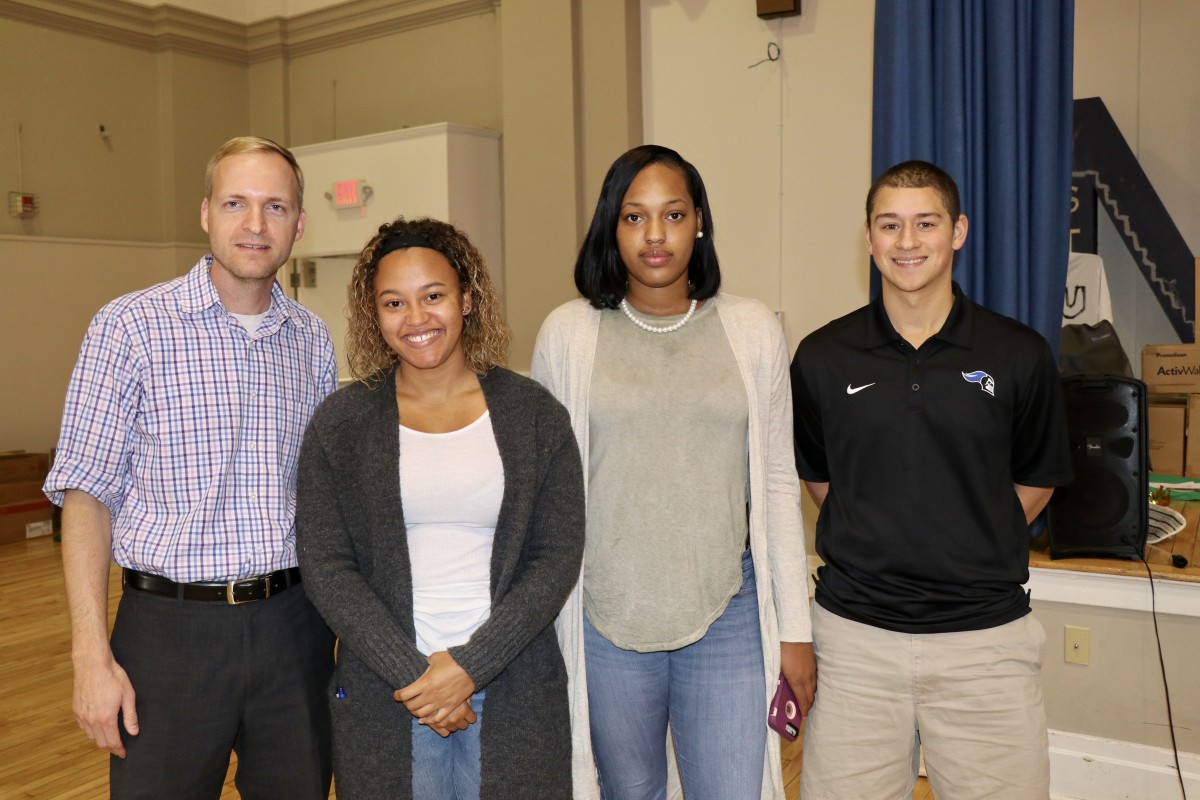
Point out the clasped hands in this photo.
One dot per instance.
(441, 697)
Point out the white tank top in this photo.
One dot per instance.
(451, 486)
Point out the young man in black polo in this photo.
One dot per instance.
(930, 432)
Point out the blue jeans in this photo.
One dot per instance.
(447, 769)
(713, 694)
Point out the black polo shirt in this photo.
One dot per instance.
(922, 531)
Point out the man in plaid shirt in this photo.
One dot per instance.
(177, 459)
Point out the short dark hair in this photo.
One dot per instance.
(918, 175)
(600, 274)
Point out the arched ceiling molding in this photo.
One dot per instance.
(168, 28)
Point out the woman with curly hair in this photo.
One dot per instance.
(440, 529)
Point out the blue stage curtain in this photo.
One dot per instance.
(982, 88)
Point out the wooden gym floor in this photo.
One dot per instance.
(43, 753)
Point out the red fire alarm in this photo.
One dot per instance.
(22, 204)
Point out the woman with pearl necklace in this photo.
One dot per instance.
(693, 593)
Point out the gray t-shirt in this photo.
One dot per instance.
(668, 481)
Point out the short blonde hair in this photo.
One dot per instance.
(485, 337)
(252, 144)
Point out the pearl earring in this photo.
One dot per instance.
(699, 234)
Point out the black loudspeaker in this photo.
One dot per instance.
(1104, 511)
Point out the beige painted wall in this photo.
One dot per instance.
(609, 89)
(541, 180)
(784, 147)
(269, 99)
(826, 162)
(204, 102)
(448, 72)
(1107, 52)
(1119, 695)
(1168, 140)
(60, 88)
(164, 113)
(52, 289)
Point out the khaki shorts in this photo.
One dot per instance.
(971, 700)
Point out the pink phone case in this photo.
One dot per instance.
(784, 716)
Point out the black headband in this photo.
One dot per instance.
(402, 241)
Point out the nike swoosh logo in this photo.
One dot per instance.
(856, 389)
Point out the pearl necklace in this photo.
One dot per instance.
(654, 328)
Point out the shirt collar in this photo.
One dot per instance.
(956, 330)
(198, 294)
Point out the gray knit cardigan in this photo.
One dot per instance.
(353, 552)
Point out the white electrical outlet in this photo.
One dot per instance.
(1077, 645)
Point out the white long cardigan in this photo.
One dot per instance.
(562, 362)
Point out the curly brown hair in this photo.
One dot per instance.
(485, 337)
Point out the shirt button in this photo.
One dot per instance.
(253, 393)
(250, 445)
(916, 387)
(254, 495)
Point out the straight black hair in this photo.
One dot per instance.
(600, 274)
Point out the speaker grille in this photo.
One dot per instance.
(1103, 511)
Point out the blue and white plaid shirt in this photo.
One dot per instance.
(189, 429)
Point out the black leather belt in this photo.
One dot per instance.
(244, 590)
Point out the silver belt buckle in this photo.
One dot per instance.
(233, 601)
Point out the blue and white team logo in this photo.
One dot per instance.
(985, 381)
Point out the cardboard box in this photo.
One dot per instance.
(1167, 418)
(20, 492)
(21, 521)
(1191, 457)
(24, 466)
(1196, 328)
(1168, 368)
